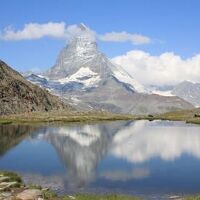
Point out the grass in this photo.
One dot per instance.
(52, 195)
(100, 197)
(13, 177)
(192, 198)
(34, 186)
(106, 197)
(48, 117)
(185, 115)
(48, 194)
(5, 122)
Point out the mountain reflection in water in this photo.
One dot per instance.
(128, 156)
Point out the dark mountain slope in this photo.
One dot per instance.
(17, 95)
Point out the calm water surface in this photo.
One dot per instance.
(150, 159)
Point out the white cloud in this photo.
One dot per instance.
(34, 31)
(136, 39)
(142, 141)
(166, 69)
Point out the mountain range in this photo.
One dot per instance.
(187, 90)
(87, 79)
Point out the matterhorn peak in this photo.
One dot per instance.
(84, 33)
(80, 49)
(81, 55)
(83, 27)
(85, 77)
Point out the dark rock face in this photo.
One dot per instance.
(18, 95)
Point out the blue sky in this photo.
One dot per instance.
(172, 25)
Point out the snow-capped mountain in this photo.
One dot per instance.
(37, 79)
(81, 62)
(87, 78)
(189, 91)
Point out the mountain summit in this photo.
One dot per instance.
(88, 79)
(81, 61)
(83, 27)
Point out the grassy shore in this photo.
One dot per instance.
(100, 197)
(192, 198)
(189, 116)
(48, 117)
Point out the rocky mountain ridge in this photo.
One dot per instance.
(188, 91)
(17, 95)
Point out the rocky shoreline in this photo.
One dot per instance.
(13, 188)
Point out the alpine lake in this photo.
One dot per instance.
(148, 159)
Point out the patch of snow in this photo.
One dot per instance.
(123, 76)
(75, 99)
(41, 76)
(84, 75)
(163, 93)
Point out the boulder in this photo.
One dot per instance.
(29, 194)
